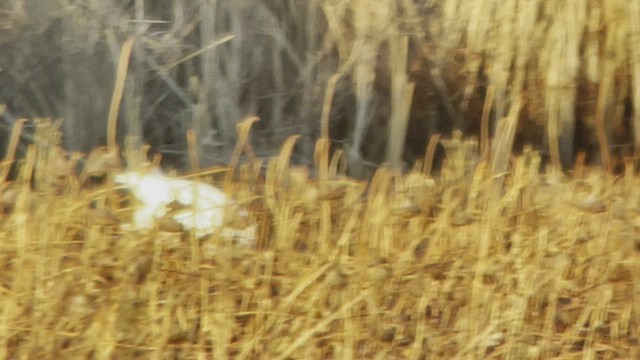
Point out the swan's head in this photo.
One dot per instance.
(130, 179)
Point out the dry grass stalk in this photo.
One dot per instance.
(321, 161)
(503, 144)
(338, 164)
(485, 149)
(194, 159)
(430, 154)
(11, 149)
(326, 106)
(634, 30)
(401, 99)
(244, 128)
(123, 65)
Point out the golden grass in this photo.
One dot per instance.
(408, 266)
(491, 259)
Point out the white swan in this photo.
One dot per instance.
(204, 206)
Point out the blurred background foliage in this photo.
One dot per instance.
(395, 72)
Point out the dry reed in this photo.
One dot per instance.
(405, 267)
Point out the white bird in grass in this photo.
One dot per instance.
(205, 206)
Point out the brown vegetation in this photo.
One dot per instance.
(521, 265)
(495, 257)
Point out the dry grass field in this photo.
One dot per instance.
(314, 116)
(464, 265)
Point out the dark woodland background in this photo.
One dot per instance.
(403, 71)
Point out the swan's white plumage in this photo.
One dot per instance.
(204, 205)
